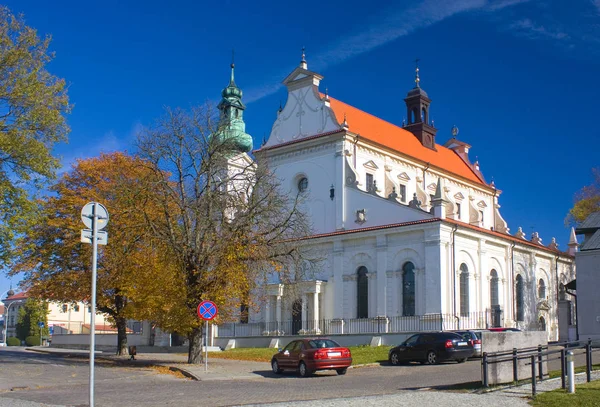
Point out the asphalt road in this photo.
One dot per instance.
(56, 380)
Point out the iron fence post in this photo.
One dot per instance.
(515, 365)
(562, 368)
(484, 366)
(541, 366)
(533, 378)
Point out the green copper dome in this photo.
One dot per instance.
(232, 125)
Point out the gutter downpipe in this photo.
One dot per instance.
(557, 295)
(512, 281)
(454, 275)
(424, 170)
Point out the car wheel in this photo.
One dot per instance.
(342, 372)
(395, 359)
(462, 360)
(275, 367)
(304, 372)
(432, 358)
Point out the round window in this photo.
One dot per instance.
(302, 184)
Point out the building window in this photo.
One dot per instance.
(76, 308)
(494, 300)
(90, 309)
(561, 292)
(369, 182)
(464, 290)
(65, 308)
(362, 300)
(408, 289)
(402, 193)
(520, 298)
(542, 324)
(302, 184)
(244, 313)
(481, 214)
(542, 290)
(458, 211)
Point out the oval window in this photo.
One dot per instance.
(302, 184)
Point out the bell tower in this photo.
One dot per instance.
(417, 110)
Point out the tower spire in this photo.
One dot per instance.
(232, 80)
(417, 79)
(303, 63)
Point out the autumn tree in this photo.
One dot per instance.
(227, 228)
(33, 104)
(587, 200)
(57, 266)
(30, 314)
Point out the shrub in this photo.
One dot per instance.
(33, 340)
(12, 341)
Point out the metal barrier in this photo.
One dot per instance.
(378, 325)
(537, 354)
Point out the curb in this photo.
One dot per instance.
(184, 372)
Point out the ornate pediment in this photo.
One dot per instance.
(432, 186)
(371, 165)
(482, 204)
(403, 176)
(458, 196)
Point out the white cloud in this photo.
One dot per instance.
(108, 143)
(387, 27)
(530, 29)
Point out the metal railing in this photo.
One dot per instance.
(378, 325)
(535, 358)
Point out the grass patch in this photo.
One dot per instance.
(360, 354)
(586, 395)
(580, 369)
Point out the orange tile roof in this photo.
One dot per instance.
(400, 140)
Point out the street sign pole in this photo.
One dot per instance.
(94, 216)
(207, 310)
(93, 316)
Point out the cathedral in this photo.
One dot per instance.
(409, 230)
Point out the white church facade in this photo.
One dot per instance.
(409, 232)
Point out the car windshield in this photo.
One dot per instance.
(323, 343)
(465, 335)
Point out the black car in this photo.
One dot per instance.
(432, 348)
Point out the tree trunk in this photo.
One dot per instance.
(195, 349)
(121, 336)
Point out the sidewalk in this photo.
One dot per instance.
(218, 369)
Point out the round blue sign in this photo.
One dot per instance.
(207, 310)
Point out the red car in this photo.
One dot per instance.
(309, 355)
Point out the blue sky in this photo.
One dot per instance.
(519, 78)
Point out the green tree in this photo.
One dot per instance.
(57, 266)
(33, 104)
(587, 200)
(30, 314)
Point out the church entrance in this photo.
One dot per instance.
(296, 317)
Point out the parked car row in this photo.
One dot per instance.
(309, 355)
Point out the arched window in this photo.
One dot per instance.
(494, 300)
(408, 289)
(65, 308)
(520, 298)
(424, 115)
(414, 115)
(464, 290)
(541, 289)
(362, 291)
(542, 324)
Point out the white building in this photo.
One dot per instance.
(411, 232)
(63, 318)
